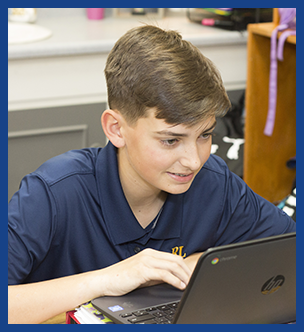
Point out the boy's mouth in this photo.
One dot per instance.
(181, 177)
(179, 174)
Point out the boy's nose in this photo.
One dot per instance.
(191, 158)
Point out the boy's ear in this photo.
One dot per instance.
(111, 122)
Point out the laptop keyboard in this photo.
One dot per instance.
(154, 315)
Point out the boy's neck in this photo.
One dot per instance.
(145, 213)
(144, 201)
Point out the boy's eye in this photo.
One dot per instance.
(207, 135)
(169, 141)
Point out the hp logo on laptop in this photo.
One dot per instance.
(273, 284)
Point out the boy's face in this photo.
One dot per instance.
(158, 156)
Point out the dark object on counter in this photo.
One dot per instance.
(229, 18)
(138, 11)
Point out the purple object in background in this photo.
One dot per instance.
(287, 21)
(95, 13)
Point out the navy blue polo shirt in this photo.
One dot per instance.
(71, 216)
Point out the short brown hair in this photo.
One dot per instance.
(152, 68)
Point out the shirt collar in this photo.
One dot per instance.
(118, 216)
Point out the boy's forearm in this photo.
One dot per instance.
(37, 302)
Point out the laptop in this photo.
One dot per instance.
(252, 282)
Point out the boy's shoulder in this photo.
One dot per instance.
(216, 164)
(73, 162)
(215, 172)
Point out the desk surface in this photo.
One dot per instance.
(59, 319)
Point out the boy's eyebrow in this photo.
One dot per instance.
(170, 133)
(212, 126)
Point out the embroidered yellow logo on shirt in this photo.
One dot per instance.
(178, 251)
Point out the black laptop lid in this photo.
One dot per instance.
(249, 282)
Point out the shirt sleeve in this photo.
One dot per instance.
(31, 226)
(248, 216)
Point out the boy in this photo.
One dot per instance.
(141, 210)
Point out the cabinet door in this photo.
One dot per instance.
(265, 157)
(35, 136)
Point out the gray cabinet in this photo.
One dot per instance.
(37, 135)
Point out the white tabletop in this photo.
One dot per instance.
(78, 35)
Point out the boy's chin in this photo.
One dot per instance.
(178, 189)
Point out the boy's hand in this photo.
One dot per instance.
(191, 260)
(145, 269)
